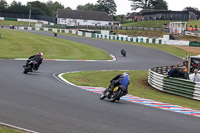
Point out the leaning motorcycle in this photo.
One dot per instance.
(118, 92)
(30, 65)
(123, 52)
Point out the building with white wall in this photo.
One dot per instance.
(76, 17)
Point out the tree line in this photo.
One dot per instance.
(49, 8)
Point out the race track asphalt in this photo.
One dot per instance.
(39, 102)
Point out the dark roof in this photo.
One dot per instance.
(152, 11)
(86, 15)
(149, 11)
(131, 15)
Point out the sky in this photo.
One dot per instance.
(123, 6)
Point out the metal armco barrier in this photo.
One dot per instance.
(175, 86)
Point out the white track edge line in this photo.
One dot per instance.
(18, 128)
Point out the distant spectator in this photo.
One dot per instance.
(196, 76)
(185, 64)
(176, 73)
(170, 71)
(2, 26)
(186, 27)
(161, 17)
(179, 65)
(196, 27)
(185, 74)
(191, 28)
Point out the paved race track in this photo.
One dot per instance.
(39, 102)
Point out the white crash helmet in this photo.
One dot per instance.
(126, 74)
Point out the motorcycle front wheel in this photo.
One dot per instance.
(103, 95)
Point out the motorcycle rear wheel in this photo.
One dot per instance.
(27, 69)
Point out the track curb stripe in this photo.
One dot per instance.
(143, 101)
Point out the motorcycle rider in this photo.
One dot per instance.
(121, 79)
(55, 33)
(37, 58)
(123, 52)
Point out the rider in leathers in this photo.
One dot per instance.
(121, 79)
(37, 58)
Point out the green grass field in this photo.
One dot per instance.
(7, 22)
(17, 44)
(138, 86)
(193, 23)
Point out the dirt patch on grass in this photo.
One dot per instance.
(195, 50)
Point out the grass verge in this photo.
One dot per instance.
(190, 38)
(7, 22)
(8, 130)
(17, 44)
(159, 23)
(138, 86)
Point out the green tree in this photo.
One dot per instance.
(17, 7)
(149, 4)
(108, 6)
(119, 18)
(42, 7)
(160, 4)
(3, 5)
(53, 7)
(68, 8)
(87, 7)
